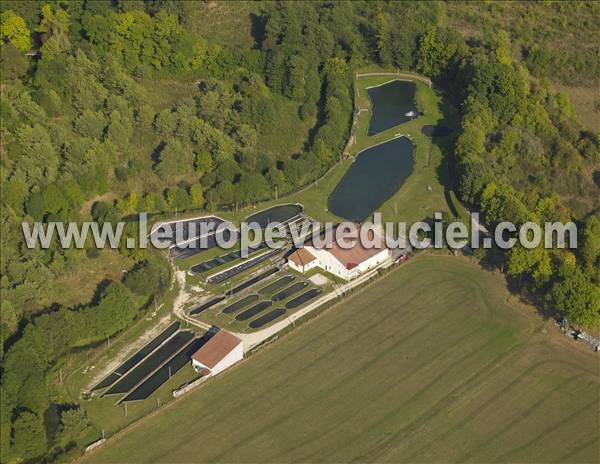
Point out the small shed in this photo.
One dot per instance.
(302, 260)
(220, 352)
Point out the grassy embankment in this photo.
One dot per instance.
(459, 371)
(413, 201)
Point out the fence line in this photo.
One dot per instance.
(189, 387)
(398, 74)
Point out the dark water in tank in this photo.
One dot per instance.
(276, 214)
(373, 178)
(391, 104)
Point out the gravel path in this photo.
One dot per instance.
(181, 301)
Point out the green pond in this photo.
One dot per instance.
(276, 214)
(391, 104)
(376, 174)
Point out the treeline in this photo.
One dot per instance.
(557, 41)
(522, 156)
(32, 363)
(115, 107)
(81, 121)
(112, 108)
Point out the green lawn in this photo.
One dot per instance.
(434, 362)
(108, 416)
(78, 288)
(224, 22)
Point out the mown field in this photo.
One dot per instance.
(434, 362)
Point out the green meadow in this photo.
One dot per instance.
(437, 361)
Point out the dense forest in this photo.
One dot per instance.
(110, 108)
(521, 156)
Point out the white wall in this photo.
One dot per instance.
(197, 365)
(235, 355)
(329, 263)
(294, 266)
(305, 268)
(309, 266)
(369, 263)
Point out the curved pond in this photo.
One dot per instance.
(299, 300)
(276, 214)
(392, 104)
(282, 295)
(235, 307)
(273, 287)
(253, 311)
(374, 177)
(257, 278)
(265, 319)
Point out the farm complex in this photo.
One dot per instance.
(309, 231)
(346, 262)
(458, 371)
(233, 300)
(455, 349)
(230, 305)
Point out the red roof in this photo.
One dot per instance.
(357, 253)
(214, 350)
(301, 257)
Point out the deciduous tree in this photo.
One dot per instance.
(13, 29)
(577, 298)
(29, 436)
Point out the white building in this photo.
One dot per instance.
(347, 259)
(302, 260)
(220, 352)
